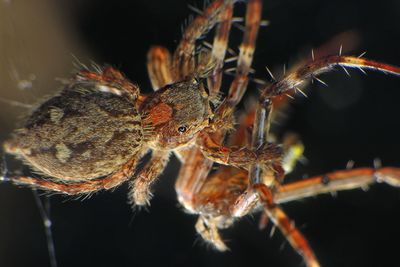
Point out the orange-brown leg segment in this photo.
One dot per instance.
(159, 67)
(191, 178)
(90, 186)
(183, 58)
(294, 80)
(113, 80)
(336, 181)
(287, 227)
(260, 192)
(140, 187)
(220, 45)
(239, 157)
(247, 47)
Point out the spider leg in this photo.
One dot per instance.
(261, 193)
(159, 67)
(239, 157)
(335, 181)
(183, 58)
(247, 47)
(294, 80)
(192, 176)
(111, 81)
(108, 182)
(219, 48)
(292, 152)
(140, 193)
(207, 228)
(286, 226)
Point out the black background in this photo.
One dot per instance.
(354, 118)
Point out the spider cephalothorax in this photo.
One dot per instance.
(177, 112)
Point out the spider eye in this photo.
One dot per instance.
(182, 129)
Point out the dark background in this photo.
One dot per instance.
(354, 118)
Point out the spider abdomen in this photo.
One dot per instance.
(80, 134)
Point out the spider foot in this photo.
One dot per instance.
(141, 194)
(388, 175)
(208, 230)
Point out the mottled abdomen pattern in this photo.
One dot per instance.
(80, 134)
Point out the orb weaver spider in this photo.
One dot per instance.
(184, 190)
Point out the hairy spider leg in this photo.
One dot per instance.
(337, 181)
(140, 193)
(287, 227)
(219, 48)
(159, 67)
(78, 188)
(163, 71)
(110, 77)
(294, 80)
(183, 58)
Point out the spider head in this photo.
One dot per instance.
(176, 113)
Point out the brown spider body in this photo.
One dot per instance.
(100, 126)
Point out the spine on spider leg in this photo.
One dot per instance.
(293, 81)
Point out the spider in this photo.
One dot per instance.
(166, 125)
